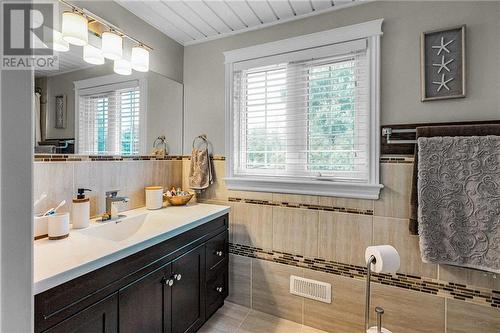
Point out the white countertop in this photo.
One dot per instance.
(59, 261)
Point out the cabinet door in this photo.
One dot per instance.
(144, 305)
(188, 296)
(101, 317)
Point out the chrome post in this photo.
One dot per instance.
(367, 303)
(379, 312)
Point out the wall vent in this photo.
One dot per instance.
(317, 290)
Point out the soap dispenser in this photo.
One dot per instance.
(81, 210)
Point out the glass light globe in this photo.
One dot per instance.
(75, 28)
(112, 45)
(92, 55)
(140, 59)
(58, 43)
(122, 67)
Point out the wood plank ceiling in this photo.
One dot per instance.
(68, 62)
(196, 21)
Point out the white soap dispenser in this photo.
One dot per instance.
(81, 210)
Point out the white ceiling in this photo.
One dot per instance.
(67, 61)
(196, 21)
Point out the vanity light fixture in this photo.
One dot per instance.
(140, 58)
(122, 67)
(76, 25)
(75, 28)
(112, 45)
(58, 43)
(92, 55)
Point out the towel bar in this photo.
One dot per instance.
(388, 131)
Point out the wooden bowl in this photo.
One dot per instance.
(179, 200)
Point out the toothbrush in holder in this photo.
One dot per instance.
(52, 211)
(39, 200)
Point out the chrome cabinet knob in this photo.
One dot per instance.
(178, 277)
(168, 282)
(219, 289)
(219, 253)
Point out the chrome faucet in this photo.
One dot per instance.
(112, 197)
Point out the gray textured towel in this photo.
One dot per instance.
(459, 201)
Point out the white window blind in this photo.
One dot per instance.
(109, 120)
(303, 119)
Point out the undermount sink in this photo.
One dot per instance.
(118, 229)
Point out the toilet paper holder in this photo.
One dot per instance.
(389, 263)
(370, 261)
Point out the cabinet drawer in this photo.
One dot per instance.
(99, 317)
(216, 250)
(216, 290)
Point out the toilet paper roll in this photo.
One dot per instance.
(386, 256)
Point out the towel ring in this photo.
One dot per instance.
(160, 141)
(202, 137)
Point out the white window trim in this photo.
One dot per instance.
(372, 31)
(116, 79)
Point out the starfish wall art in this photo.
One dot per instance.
(443, 64)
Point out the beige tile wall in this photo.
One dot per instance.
(251, 225)
(266, 285)
(60, 180)
(330, 235)
(345, 313)
(343, 237)
(295, 231)
(240, 282)
(465, 318)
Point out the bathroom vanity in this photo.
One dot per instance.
(166, 271)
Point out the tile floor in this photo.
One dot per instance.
(236, 318)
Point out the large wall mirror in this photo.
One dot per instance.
(90, 110)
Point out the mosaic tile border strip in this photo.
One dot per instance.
(404, 281)
(77, 158)
(214, 158)
(303, 206)
(80, 158)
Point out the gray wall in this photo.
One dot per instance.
(164, 114)
(167, 56)
(404, 21)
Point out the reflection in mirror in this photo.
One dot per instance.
(92, 111)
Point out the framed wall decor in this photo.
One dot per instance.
(442, 64)
(60, 111)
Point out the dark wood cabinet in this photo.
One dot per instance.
(101, 317)
(188, 274)
(172, 287)
(144, 305)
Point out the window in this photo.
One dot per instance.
(110, 119)
(305, 120)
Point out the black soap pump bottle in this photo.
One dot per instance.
(81, 210)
